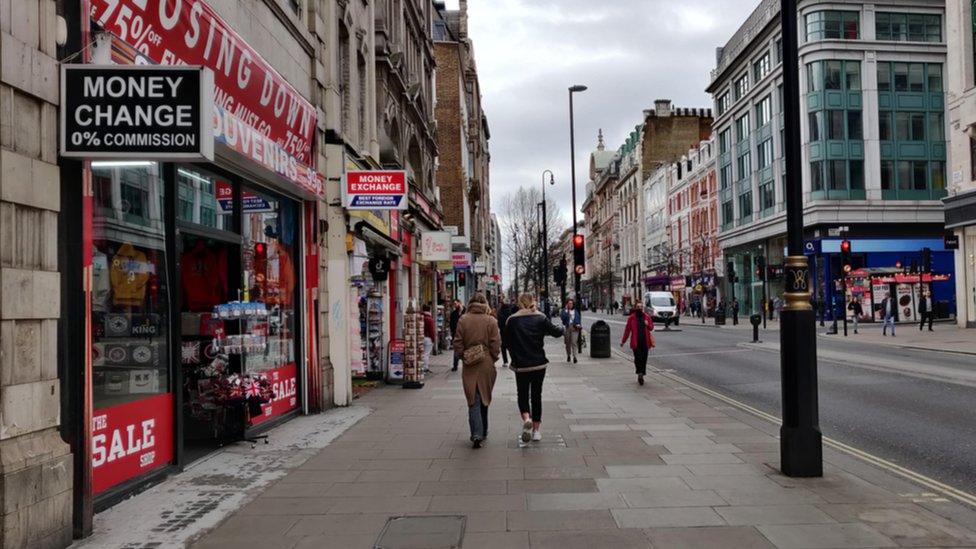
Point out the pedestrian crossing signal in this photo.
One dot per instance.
(579, 257)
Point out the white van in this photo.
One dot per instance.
(661, 307)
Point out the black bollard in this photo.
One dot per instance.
(756, 320)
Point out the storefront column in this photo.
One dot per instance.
(336, 308)
(36, 512)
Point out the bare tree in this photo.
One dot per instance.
(522, 235)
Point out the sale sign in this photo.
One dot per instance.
(131, 439)
(375, 190)
(284, 384)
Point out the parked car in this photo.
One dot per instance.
(662, 308)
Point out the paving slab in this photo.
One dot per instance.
(835, 536)
(758, 515)
(582, 539)
(717, 537)
(671, 516)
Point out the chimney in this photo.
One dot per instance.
(599, 140)
(463, 19)
(662, 108)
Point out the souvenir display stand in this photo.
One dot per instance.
(222, 391)
(413, 332)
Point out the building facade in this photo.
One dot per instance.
(602, 248)
(631, 216)
(463, 134)
(961, 104)
(874, 147)
(693, 225)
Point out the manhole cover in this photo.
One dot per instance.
(435, 532)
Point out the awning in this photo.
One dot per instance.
(960, 210)
(374, 236)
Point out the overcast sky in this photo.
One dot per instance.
(628, 52)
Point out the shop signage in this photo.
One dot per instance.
(139, 112)
(910, 278)
(461, 260)
(480, 267)
(284, 384)
(375, 190)
(189, 32)
(950, 241)
(452, 229)
(435, 246)
(131, 439)
(811, 247)
(678, 283)
(250, 202)
(398, 357)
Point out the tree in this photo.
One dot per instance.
(522, 228)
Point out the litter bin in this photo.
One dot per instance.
(720, 318)
(600, 340)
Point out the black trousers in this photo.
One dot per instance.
(924, 317)
(529, 385)
(504, 352)
(640, 360)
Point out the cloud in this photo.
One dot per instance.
(628, 53)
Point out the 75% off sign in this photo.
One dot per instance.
(141, 112)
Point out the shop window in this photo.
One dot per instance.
(204, 198)
(130, 324)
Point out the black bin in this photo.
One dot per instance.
(600, 340)
(720, 318)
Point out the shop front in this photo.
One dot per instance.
(199, 310)
(960, 215)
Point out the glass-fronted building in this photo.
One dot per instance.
(874, 139)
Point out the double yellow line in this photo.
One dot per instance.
(918, 478)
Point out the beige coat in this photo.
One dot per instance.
(478, 327)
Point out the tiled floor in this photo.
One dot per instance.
(620, 466)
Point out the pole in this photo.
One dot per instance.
(801, 444)
(843, 300)
(572, 171)
(545, 245)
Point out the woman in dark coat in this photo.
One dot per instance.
(639, 328)
(525, 334)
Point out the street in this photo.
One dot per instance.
(917, 416)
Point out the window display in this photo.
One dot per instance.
(132, 421)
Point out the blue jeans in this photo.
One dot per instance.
(478, 418)
(889, 320)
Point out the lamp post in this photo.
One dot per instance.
(545, 241)
(801, 444)
(572, 170)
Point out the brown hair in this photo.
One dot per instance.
(478, 298)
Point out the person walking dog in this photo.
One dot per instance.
(525, 334)
(478, 343)
(638, 330)
(572, 326)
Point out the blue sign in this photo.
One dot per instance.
(386, 202)
(811, 247)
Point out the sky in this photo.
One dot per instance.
(627, 52)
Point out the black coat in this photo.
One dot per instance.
(525, 334)
(454, 319)
(504, 313)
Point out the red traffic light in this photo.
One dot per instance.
(845, 246)
(578, 241)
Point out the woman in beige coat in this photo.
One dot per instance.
(477, 328)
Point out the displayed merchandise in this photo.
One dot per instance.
(203, 276)
(129, 276)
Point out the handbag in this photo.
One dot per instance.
(474, 354)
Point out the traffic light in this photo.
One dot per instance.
(846, 262)
(926, 260)
(579, 257)
(559, 272)
(462, 278)
(761, 268)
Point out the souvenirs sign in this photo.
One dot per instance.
(139, 112)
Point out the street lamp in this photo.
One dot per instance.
(801, 443)
(572, 168)
(545, 241)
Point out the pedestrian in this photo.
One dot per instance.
(888, 308)
(925, 311)
(638, 330)
(856, 311)
(478, 342)
(572, 326)
(735, 310)
(505, 311)
(456, 313)
(430, 333)
(525, 333)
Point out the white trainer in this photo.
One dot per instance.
(527, 431)
(536, 436)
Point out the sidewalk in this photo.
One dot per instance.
(944, 337)
(620, 466)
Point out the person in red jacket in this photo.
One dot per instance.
(639, 328)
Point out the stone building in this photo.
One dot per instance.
(631, 219)
(462, 135)
(873, 143)
(601, 218)
(961, 203)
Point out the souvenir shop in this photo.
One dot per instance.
(371, 252)
(200, 314)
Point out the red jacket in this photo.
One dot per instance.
(430, 330)
(631, 330)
